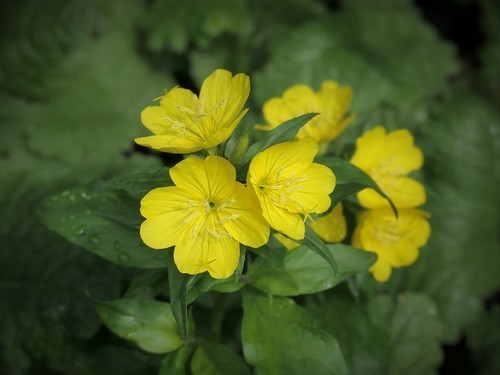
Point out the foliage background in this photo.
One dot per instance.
(74, 76)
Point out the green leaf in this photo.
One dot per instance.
(316, 244)
(178, 284)
(103, 221)
(174, 26)
(137, 185)
(280, 337)
(148, 323)
(381, 336)
(177, 363)
(148, 284)
(212, 358)
(349, 180)
(283, 133)
(305, 272)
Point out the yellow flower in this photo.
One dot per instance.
(332, 103)
(396, 241)
(331, 228)
(288, 184)
(387, 159)
(205, 216)
(184, 123)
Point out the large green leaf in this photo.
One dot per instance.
(280, 337)
(459, 266)
(215, 359)
(305, 272)
(381, 336)
(103, 221)
(148, 323)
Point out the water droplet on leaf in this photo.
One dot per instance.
(80, 230)
(123, 258)
(94, 240)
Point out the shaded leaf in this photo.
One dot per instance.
(148, 323)
(305, 272)
(301, 347)
(215, 359)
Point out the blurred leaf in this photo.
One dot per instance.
(148, 323)
(103, 221)
(173, 25)
(279, 337)
(46, 311)
(461, 172)
(212, 358)
(35, 37)
(178, 284)
(381, 336)
(138, 185)
(483, 338)
(381, 50)
(177, 363)
(349, 180)
(305, 272)
(490, 53)
(148, 284)
(114, 359)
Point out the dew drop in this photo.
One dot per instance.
(80, 230)
(123, 258)
(87, 212)
(94, 240)
(117, 245)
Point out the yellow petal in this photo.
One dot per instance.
(206, 252)
(204, 179)
(276, 112)
(381, 271)
(166, 209)
(282, 220)
(153, 118)
(368, 148)
(282, 160)
(242, 218)
(223, 134)
(403, 191)
(224, 96)
(311, 191)
(399, 156)
(287, 242)
(179, 103)
(169, 143)
(332, 227)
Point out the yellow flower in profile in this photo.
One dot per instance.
(332, 102)
(184, 123)
(387, 158)
(396, 241)
(331, 228)
(288, 184)
(205, 216)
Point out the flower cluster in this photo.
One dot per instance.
(211, 209)
(388, 158)
(207, 214)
